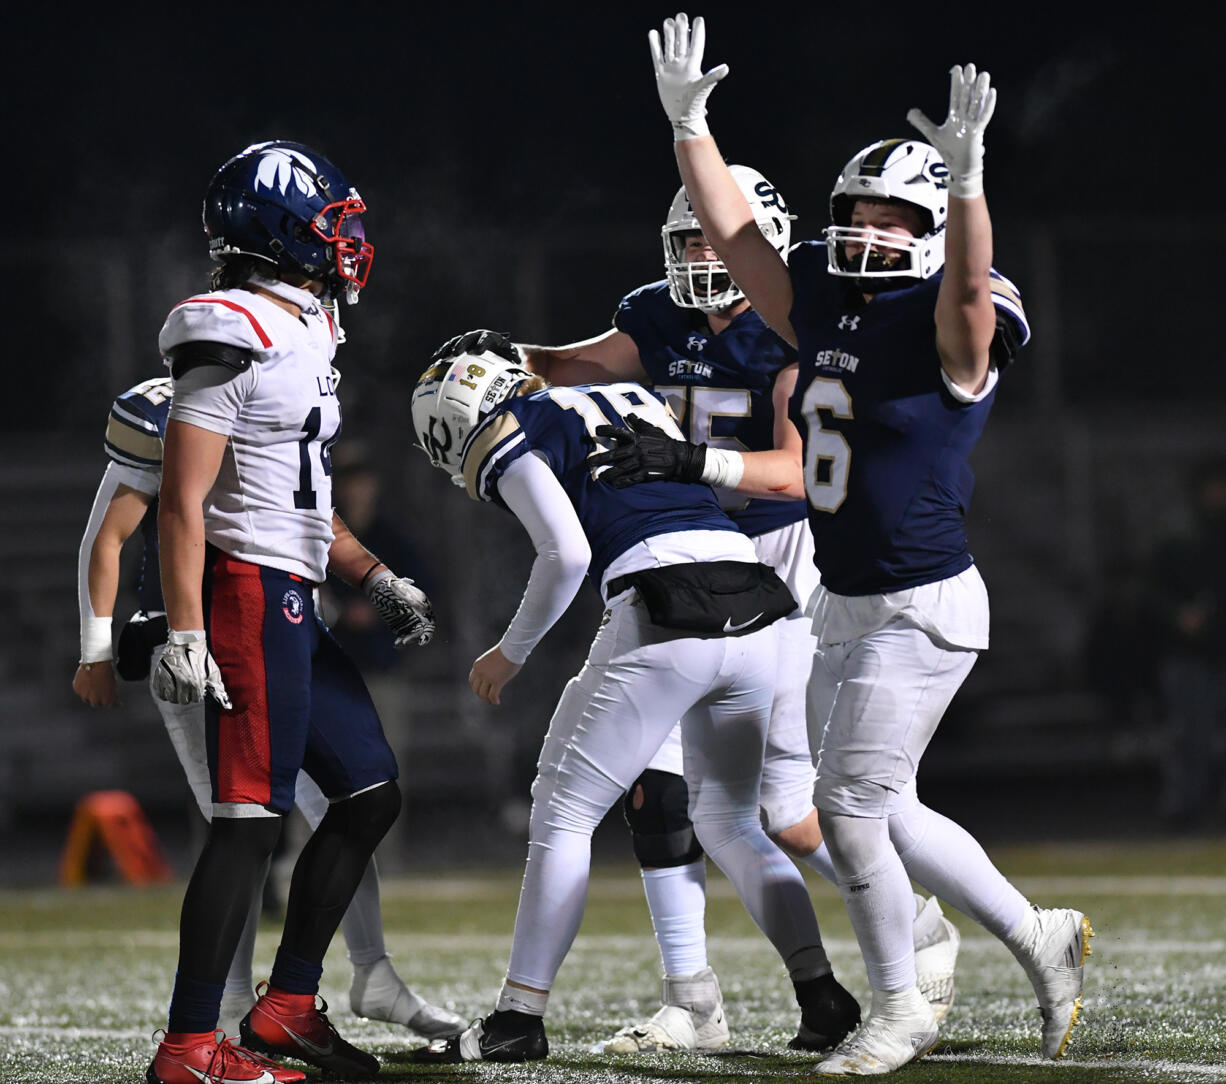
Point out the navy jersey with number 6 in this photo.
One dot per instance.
(719, 386)
(886, 443)
(559, 425)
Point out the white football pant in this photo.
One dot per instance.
(610, 721)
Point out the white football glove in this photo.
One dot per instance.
(960, 139)
(404, 608)
(682, 87)
(187, 671)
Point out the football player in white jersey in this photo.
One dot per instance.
(126, 502)
(688, 633)
(901, 326)
(246, 532)
(695, 339)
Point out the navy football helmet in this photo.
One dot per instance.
(285, 205)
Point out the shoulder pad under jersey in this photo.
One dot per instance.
(225, 317)
(137, 423)
(1012, 327)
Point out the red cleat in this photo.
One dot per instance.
(208, 1057)
(294, 1026)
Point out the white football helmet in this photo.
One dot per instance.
(706, 284)
(893, 169)
(453, 397)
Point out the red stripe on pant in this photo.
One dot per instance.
(236, 633)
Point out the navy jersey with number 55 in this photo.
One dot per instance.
(719, 386)
(886, 443)
(559, 425)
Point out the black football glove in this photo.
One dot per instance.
(480, 341)
(645, 453)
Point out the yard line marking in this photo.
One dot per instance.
(1147, 1066)
(613, 887)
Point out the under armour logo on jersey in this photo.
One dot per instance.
(695, 343)
(278, 167)
(849, 323)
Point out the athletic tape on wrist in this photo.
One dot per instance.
(96, 639)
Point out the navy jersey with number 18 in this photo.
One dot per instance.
(559, 425)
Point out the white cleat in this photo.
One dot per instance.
(233, 1008)
(935, 962)
(1055, 964)
(692, 1018)
(898, 1029)
(378, 993)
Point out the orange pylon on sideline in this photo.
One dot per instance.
(114, 818)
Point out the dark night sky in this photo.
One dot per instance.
(469, 130)
(534, 112)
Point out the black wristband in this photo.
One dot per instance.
(695, 456)
(362, 585)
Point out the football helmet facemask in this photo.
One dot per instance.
(453, 397)
(287, 206)
(706, 284)
(903, 170)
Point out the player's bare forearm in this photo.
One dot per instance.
(181, 553)
(728, 224)
(123, 515)
(190, 462)
(773, 475)
(609, 357)
(965, 314)
(348, 559)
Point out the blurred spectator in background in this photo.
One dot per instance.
(1120, 653)
(1187, 582)
(358, 495)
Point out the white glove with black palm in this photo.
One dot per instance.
(404, 607)
(960, 139)
(682, 87)
(187, 671)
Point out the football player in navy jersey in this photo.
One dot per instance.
(902, 328)
(125, 504)
(688, 633)
(694, 339)
(247, 530)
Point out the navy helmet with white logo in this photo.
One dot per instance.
(283, 206)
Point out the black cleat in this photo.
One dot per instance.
(501, 1036)
(828, 1014)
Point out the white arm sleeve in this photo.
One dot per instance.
(95, 630)
(532, 491)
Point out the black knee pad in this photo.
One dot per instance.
(371, 813)
(245, 841)
(656, 811)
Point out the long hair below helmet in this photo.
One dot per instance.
(283, 207)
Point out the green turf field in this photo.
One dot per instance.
(85, 977)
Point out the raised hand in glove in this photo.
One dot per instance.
(682, 87)
(960, 139)
(645, 453)
(187, 672)
(480, 341)
(404, 607)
